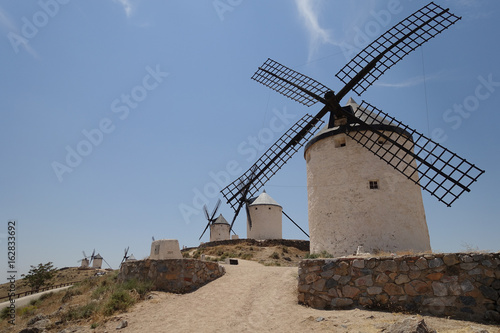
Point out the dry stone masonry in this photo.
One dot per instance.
(172, 275)
(463, 286)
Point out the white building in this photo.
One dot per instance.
(165, 249)
(219, 229)
(357, 199)
(85, 263)
(266, 218)
(97, 261)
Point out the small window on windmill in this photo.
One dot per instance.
(157, 249)
(373, 184)
(340, 142)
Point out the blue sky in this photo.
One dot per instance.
(156, 99)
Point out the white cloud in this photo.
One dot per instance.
(309, 11)
(9, 27)
(127, 6)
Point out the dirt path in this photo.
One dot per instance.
(251, 297)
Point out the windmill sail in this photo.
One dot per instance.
(292, 84)
(437, 170)
(273, 160)
(394, 45)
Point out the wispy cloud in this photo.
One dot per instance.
(127, 5)
(309, 12)
(414, 81)
(14, 35)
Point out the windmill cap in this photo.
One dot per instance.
(220, 220)
(263, 199)
(98, 256)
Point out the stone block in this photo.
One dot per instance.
(341, 302)
(489, 292)
(421, 263)
(374, 290)
(393, 289)
(358, 263)
(319, 285)
(468, 266)
(366, 280)
(350, 292)
(450, 259)
(439, 289)
(476, 271)
(414, 275)
(416, 288)
(387, 266)
(435, 276)
(381, 278)
(365, 301)
(402, 278)
(403, 267)
(466, 286)
(436, 262)
(382, 299)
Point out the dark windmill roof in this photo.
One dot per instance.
(98, 256)
(263, 199)
(220, 220)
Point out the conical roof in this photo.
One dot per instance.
(98, 256)
(220, 220)
(263, 199)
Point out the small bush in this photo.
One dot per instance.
(73, 291)
(275, 255)
(186, 255)
(94, 326)
(284, 249)
(27, 310)
(81, 312)
(45, 296)
(141, 287)
(5, 313)
(322, 254)
(120, 300)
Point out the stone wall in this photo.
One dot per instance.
(172, 275)
(462, 286)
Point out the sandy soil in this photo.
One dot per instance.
(251, 297)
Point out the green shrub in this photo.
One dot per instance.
(120, 300)
(142, 287)
(81, 312)
(94, 326)
(322, 254)
(27, 310)
(284, 249)
(275, 255)
(5, 313)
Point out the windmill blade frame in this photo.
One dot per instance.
(271, 161)
(371, 63)
(439, 171)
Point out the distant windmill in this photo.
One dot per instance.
(442, 173)
(85, 261)
(125, 256)
(210, 218)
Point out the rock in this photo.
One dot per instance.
(30, 330)
(366, 280)
(350, 292)
(450, 259)
(421, 263)
(122, 324)
(393, 289)
(358, 263)
(402, 278)
(41, 324)
(35, 319)
(341, 302)
(409, 325)
(319, 319)
(374, 290)
(387, 265)
(439, 289)
(437, 262)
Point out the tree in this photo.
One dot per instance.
(39, 276)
